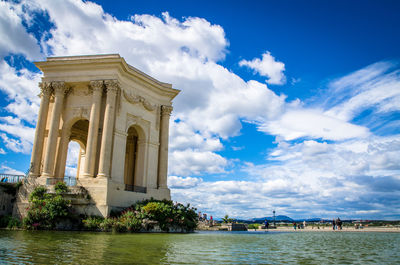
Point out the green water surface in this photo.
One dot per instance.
(39, 247)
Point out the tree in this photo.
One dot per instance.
(226, 219)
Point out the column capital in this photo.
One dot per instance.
(111, 85)
(45, 89)
(97, 85)
(166, 110)
(59, 88)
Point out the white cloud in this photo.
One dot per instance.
(350, 174)
(13, 35)
(175, 182)
(191, 162)
(2, 152)
(311, 123)
(21, 88)
(16, 145)
(375, 86)
(8, 170)
(72, 159)
(268, 67)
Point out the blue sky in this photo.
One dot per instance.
(291, 106)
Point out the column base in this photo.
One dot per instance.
(102, 175)
(46, 175)
(31, 175)
(86, 175)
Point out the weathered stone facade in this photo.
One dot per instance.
(120, 118)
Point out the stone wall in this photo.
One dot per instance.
(7, 198)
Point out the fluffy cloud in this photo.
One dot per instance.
(8, 170)
(175, 182)
(268, 67)
(21, 88)
(312, 123)
(192, 162)
(348, 179)
(14, 37)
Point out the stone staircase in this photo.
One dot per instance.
(78, 195)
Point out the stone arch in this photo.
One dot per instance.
(75, 129)
(135, 153)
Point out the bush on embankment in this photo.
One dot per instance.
(7, 221)
(145, 216)
(46, 210)
(50, 211)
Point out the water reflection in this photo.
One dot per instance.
(30, 247)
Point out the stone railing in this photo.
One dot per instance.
(70, 181)
(11, 178)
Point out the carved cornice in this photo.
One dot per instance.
(134, 99)
(97, 85)
(58, 86)
(166, 110)
(45, 89)
(111, 85)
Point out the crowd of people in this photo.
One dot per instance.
(203, 218)
(337, 224)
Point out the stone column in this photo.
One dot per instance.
(141, 169)
(163, 151)
(108, 128)
(37, 149)
(91, 147)
(62, 153)
(48, 166)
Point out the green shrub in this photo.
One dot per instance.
(61, 187)
(45, 209)
(13, 223)
(131, 221)
(9, 222)
(92, 222)
(107, 224)
(253, 226)
(168, 214)
(38, 193)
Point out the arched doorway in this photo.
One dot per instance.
(73, 159)
(134, 160)
(76, 151)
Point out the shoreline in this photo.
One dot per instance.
(345, 229)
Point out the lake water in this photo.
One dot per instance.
(38, 247)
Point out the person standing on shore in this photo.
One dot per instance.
(333, 224)
(339, 224)
(266, 224)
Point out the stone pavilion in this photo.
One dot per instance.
(118, 115)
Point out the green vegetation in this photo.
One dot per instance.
(226, 219)
(46, 210)
(11, 188)
(9, 222)
(253, 226)
(145, 215)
